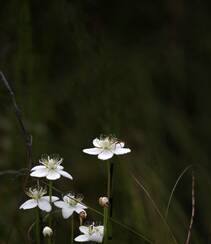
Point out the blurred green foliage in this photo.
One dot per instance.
(139, 70)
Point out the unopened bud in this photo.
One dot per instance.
(83, 214)
(47, 231)
(104, 202)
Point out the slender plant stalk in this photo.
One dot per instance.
(155, 207)
(111, 172)
(37, 226)
(105, 223)
(50, 187)
(174, 188)
(72, 228)
(193, 209)
(107, 209)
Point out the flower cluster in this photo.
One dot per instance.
(50, 168)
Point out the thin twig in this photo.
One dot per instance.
(155, 207)
(193, 209)
(13, 172)
(27, 136)
(174, 188)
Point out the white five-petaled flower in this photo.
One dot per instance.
(106, 147)
(38, 199)
(70, 204)
(91, 233)
(50, 168)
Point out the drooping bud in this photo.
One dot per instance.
(104, 202)
(47, 231)
(82, 216)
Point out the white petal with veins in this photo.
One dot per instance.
(120, 151)
(93, 151)
(52, 175)
(67, 212)
(29, 204)
(53, 198)
(82, 238)
(39, 173)
(61, 204)
(44, 205)
(104, 155)
(65, 174)
(84, 229)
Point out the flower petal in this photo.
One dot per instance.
(38, 167)
(61, 204)
(60, 167)
(53, 175)
(39, 173)
(65, 174)
(96, 142)
(82, 238)
(53, 198)
(84, 229)
(93, 151)
(106, 154)
(79, 207)
(120, 151)
(67, 212)
(44, 205)
(97, 237)
(101, 229)
(29, 204)
(120, 145)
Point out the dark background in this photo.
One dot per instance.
(136, 69)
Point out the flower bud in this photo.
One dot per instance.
(104, 202)
(83, 215)
(47, 231)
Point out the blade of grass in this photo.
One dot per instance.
(155, 207)
(193, 209)
(174, 188)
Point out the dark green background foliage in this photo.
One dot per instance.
(136, 69)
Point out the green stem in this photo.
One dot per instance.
(37, 226)
(50, 186)
(72, 229)
(105, 223)
(109, 180)
(107, 209)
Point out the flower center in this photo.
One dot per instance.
(92, 229)
(71, 200)
(108, 143)
(36, 193)
(51, 163)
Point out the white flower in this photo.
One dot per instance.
(47, 231)
(70, 204)
(91, 233)
(38, 200)
(106, 147)
(50, 168)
